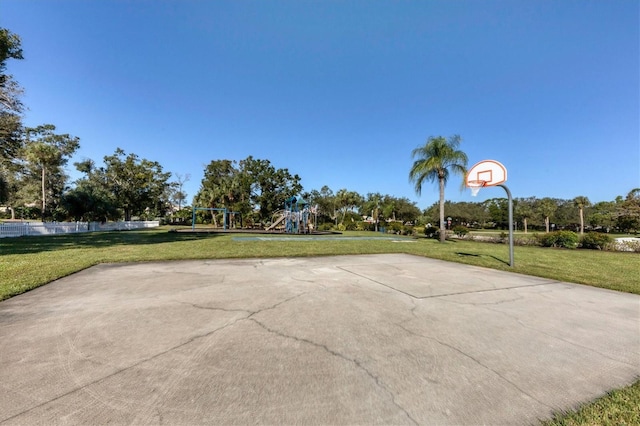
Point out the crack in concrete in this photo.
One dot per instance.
(86, 386)
(354, 361)
(499, 302)
(215, 308)
(276, 305)
(477, 361)
(303, 280)
(249, 312)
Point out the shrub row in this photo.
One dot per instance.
(569, 239)
(561, 239)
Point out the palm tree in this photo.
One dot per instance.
(347, 200)
(634, 194)
(547, 208)
(525, 212)
(581, 202)
(434, 162)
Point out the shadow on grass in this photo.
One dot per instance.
(37, 244)
(459, 253)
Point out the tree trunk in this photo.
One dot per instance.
(581, 221)
(546, 223)
(44, 203)
(443, 229)
(525, 225)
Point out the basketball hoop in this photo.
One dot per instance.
(475, 186)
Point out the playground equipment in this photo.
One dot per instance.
(295, 216)
(228, 216)
(278, 218)
(224, 216)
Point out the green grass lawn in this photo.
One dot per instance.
(617, 408)
(29, 262)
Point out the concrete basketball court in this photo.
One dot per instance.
(367, 339)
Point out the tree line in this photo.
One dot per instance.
(547, 214)
(257, 190)
(33, 185)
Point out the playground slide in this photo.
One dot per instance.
(276, 223)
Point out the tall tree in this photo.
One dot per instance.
(138, 185)
(435, 161)
(10, 91)
(602, 215)
(388, 207)
(405, 210)
(371, 206)
(49, 152)
(524, 211)
(220, 187)
(91, 199)
(11, 138)
(628, 211)
(268, 187)
(581, 202)
(498, 209)
(547, 207)
(325, 200)
(347, 200)
(178, 195)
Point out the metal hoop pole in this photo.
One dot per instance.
(511, 262)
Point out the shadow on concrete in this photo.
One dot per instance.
(459, 253)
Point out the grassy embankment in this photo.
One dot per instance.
(29, 262)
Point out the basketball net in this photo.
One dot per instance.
(475, 186)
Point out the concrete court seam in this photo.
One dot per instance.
(121, 370)
(472, 358)
(447, 294)
(143, 361)
(146, 414)
(513, 317)
(451, 346)
(357, 363)
(377, 380)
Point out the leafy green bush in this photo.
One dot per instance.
(432, 232)
(351, 226)
(460, 231)
(327, 226)
(407, 230)
(595, 241)
(394, 228)
(564, 239)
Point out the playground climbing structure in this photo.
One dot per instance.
(295, 218)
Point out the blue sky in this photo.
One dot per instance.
(341, 92)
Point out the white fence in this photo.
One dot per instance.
(19, 229)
